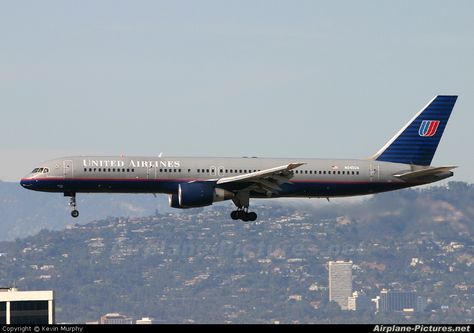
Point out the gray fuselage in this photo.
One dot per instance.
(316, 178)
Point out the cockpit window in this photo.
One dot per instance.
(39, 170)
(45, 170)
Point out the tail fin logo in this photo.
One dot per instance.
(428, 128)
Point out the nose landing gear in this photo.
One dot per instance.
(72, 204)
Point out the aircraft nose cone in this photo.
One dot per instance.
(26, 183)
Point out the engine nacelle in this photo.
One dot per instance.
(198, 194)
(173, 200)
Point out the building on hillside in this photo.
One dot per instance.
(115, 319)
(144, 321)
(340, 282)
(398, 300)
(358, 302)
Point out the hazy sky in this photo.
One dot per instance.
(232, 78)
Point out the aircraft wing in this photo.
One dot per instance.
(413, 175)
(264, 180)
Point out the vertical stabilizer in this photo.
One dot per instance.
(417, 141)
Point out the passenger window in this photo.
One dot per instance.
(133, 170)
(339, 172)
(85, 169)
(128, 170)
(306, 171)
(90, 169)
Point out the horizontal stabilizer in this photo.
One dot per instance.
(414, 175)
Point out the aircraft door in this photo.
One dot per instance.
(151, 172)
(374, 172)
(68, 169)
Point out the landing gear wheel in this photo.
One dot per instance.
(252, 216)
(241, 214)
(72, 204)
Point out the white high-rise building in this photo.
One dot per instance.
(340, 282)
(26, 307)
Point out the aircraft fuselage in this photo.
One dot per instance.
(316, 178)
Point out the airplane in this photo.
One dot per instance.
(404, 161)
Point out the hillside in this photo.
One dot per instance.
(24, 213)
(199, 266)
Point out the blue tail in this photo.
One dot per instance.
(416, 143)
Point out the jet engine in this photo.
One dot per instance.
(198, 194)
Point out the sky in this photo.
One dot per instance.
(323, 79)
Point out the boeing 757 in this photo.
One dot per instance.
(404, 161)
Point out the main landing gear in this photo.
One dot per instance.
(244, 215)
(242, 201)
(72, 204)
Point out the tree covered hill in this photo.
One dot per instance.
(200, 266)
